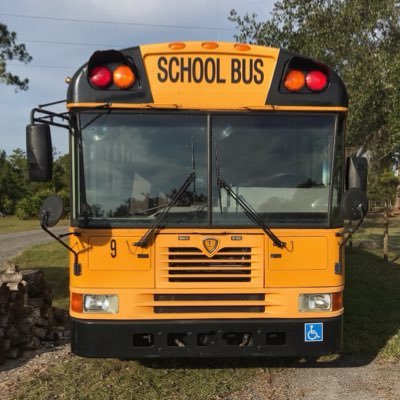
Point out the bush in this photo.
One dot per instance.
(29, 207)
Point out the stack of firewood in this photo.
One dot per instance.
(27, 318)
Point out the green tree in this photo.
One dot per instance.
(19, 195)
(11, 50)
(61, 173)
(12, 185)
(358, 38)
(382, 186)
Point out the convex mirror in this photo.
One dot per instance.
(354, 204)
(51, 211)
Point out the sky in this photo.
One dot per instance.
(62, 35)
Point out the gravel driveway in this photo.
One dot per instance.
(11, 244)
(344, 379)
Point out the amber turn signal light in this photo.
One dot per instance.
(77, 302)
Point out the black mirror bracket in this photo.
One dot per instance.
(50, 213)
(349, 232)
(77, 266)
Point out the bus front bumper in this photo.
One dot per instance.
(207, 338)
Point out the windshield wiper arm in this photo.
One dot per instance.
(156, 225)
(251, 213)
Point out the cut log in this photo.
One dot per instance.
(27, 318)
(11, 268)
(7, 345)
(35, 282)
(2, 351)
(5, 293)
(61, 315)
(4, 308)
(34, 344)
(12, 333)
(13, 277)
(14, 353)
(25, 327)
(40, 332)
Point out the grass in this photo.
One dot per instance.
(370, 235)
(11, 224)
(80, 379)
(372, 328)
(372, 306)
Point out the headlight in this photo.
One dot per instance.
(315, 302)
(100, 303)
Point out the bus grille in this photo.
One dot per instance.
(190, 264)
(210, 303)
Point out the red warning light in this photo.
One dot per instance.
(316, 81)
(100, 77)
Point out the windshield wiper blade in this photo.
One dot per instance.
(251, 213)
(140, 212)
(156, 225)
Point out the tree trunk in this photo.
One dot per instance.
(386, 233)
(397, 199)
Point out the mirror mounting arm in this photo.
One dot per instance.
(350, 231)
(77, 266)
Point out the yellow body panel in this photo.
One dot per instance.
(112, 264)
(209, 78)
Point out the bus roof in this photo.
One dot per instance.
(206, 76)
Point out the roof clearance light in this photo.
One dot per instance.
(294, 80)
(123, 77)
(177, 46)
(242, 47)
(316, 81)
(100, 77)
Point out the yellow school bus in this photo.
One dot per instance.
(207, 191)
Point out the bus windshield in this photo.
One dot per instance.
(132, 164)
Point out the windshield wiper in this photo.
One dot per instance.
(245, 206)
(156, 225)
(251, 213)
(140, 212)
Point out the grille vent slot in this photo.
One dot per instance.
(190, 264)
(243, 303)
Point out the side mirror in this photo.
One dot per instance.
(51, 211)
(39, 153)
(357, 173)
(354, 204)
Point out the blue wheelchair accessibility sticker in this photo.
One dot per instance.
(314, 332)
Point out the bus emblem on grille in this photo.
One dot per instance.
(210, 244)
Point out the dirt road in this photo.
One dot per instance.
(11, 244)
(344, 379)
